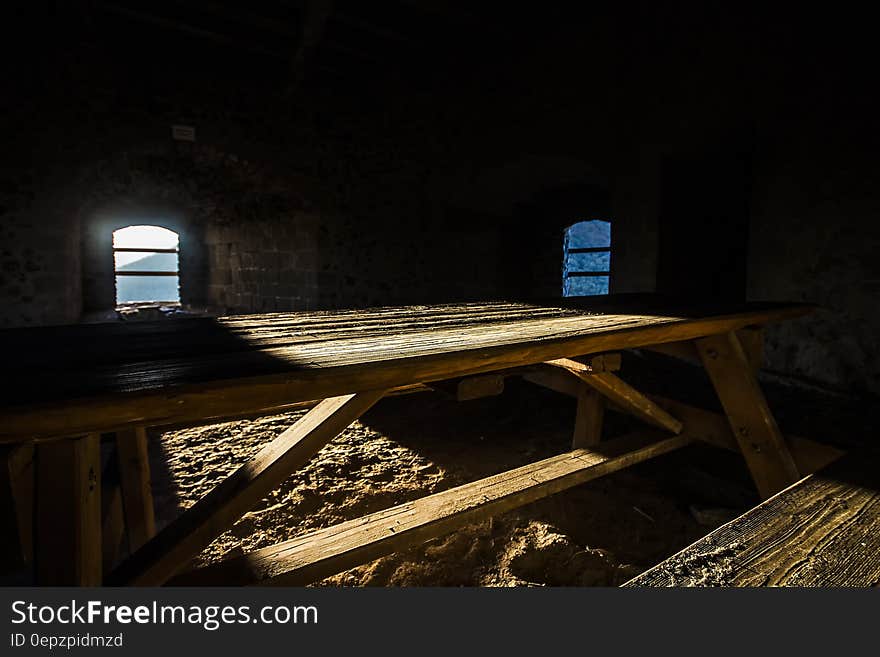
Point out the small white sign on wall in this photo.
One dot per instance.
(183, 133)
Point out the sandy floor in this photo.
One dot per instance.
(601, 533)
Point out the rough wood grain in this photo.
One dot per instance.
(67, 550)
(759, 438)
(195, 528)
(109, 377)
(327, 551)
(822, 531)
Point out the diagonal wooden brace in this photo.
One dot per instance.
(173, 547)
(621, 394)
(331, 550)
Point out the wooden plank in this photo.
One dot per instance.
(752, 340)
(588, 421)
(327, 551)
(753, 424)
(682, 350)
(195, 528)
(286, 408)
(112, 516)
(68, 513)
(714, 428)
(556, 379)
(477, 387)
(471, 387)
(624, 396)
(16, 506)
(228, 370)
(606, 362)
(822, 531)
(589, 364)
(136, 486)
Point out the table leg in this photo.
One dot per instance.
(68, 514)
(588, 422)
(137, 492)
(753, 424)
(16, 515)
(173, 547)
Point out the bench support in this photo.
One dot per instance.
(321, 553)
(714, 428)
(590, 415)
(68, 512)
(137, 492)
(823, 531)
(759, 438)
(173, 547)
(17, 511)
(621, 394)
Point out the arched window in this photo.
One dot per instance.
(146, 264)
(586, 265)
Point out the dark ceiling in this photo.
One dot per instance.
(316, 41)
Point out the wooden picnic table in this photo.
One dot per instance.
(70, 384)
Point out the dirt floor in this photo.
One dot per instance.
(601, 533)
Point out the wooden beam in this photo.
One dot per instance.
(112, 515)
(68, 513)
(477, 387)
(556, 379)
(588, 421)
(287, 408)
(316, 376)
(700, 424)
(682, 350)
(759, 438)
(471, 387)
(327, 551)
(16, 506)
(623, 396)
(200, 524)
(751, 338)
(136, 486)
(589, 364)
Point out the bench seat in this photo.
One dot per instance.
(823, 530)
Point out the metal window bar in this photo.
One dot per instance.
(588, 249)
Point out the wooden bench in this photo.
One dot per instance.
(822, 531)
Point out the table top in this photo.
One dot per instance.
(176, 369)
